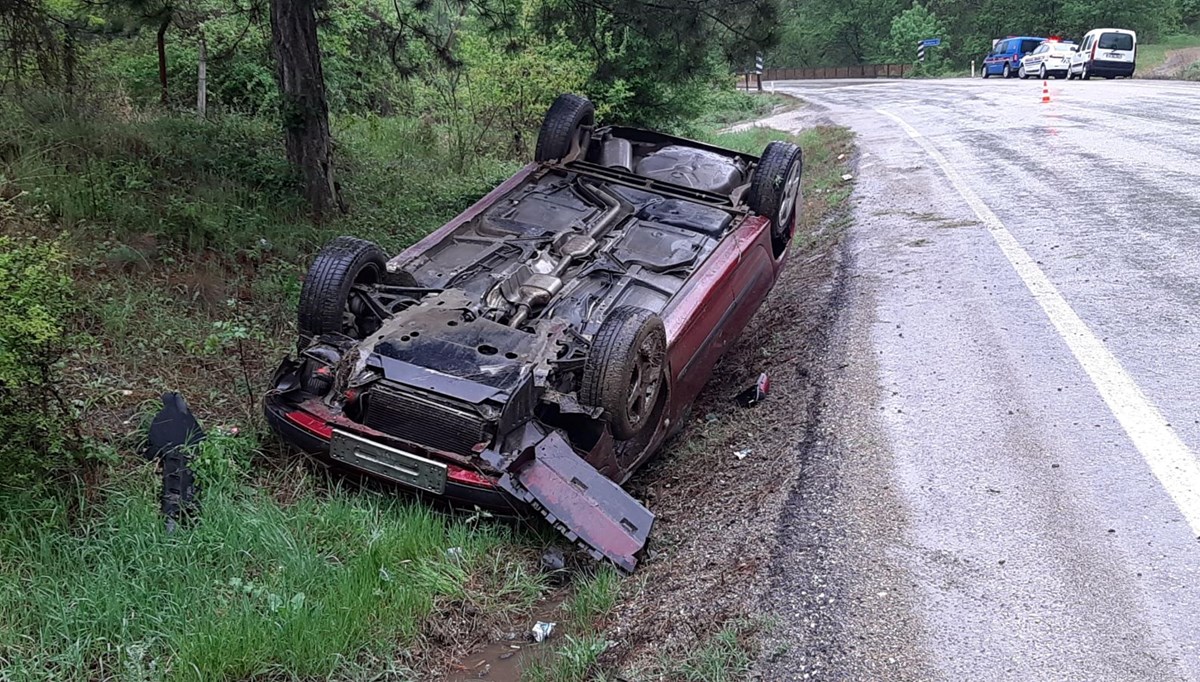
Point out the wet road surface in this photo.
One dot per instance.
(1005, 483)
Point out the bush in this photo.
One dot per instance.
(35, 300)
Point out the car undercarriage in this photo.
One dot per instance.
(523, 344)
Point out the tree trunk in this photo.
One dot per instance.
(202, 77)
(304, 108)
(162, 55)
(69, 58)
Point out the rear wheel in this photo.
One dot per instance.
(775, 190)
(1083, 73)
(625, 370)
(985, 72)
(1042, 72)
(567, 127)
(327, 304)
(1007, 71)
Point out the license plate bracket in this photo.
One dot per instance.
(388, 462)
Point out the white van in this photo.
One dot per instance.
(1107, 52)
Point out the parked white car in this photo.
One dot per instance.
(1051, 58)
(1106, 52)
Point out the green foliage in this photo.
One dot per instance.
(845, 32)
(329, 585)
(594, 598)
(36, 300)
(574, 661)
(909, 28)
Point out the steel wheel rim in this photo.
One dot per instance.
(646, 380)
(791, 192)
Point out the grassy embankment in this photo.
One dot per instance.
(1152, 56)
(187, 246)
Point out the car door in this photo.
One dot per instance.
(1081, 56)
(1115, 46)
(994, 56)
(1035, 59)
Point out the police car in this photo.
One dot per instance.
(1005, 57)
(1051, 58)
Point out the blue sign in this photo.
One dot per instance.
(931, 42)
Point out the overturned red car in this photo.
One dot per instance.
(538, 348)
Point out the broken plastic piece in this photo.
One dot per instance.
(174, 432)
(756, 393)
(741, 454)
(580, 502)
(541, 631)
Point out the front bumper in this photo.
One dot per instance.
(307, 432)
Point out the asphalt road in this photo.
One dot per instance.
(1005, 483)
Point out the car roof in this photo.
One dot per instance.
(1113, 30)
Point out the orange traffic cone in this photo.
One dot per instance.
(1045, 92)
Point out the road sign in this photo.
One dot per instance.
(931, 42)
(758, 63)
(920, 53)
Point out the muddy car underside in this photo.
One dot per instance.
(522, 345)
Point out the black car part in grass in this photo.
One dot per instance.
(174, 434)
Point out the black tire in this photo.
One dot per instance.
(1042, 73)
(775, 190)
(325, 295)
(1007, 71)
(568, 121)
(985, 72)
(624, 373)
(1083, 73)
(1022, 74)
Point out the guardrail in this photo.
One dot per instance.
(860, 71)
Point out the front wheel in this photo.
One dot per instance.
(327, 304)
(1021, 73)
(625, 371)
(1042, 72)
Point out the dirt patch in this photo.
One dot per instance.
(1176, 63)
(719, 489)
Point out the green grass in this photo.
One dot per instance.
(576, 660)
(327, 586)
(593, 598)
(1150, 56)
(725, 657)
(188, 247)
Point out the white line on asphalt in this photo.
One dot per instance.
(1169, 458)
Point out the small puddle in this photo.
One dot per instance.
(504, 660)
(499, 661)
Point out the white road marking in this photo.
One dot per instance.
(1169, 458)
